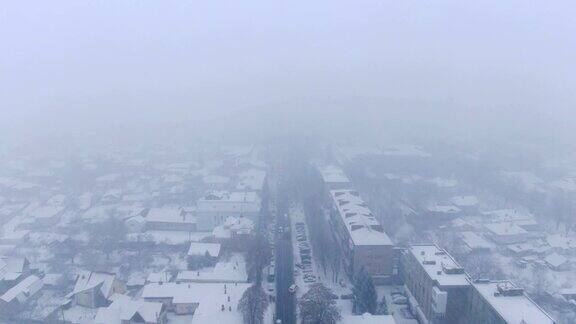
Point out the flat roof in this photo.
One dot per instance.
(474, 241)
(505, 229)
(438, 264)
(169, 215)
(333, 174)
(513, 309)
(361, 224)
(368, 318)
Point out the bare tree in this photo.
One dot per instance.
(253, 304)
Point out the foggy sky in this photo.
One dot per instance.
(65, 63)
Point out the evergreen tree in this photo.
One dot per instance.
(258, 255)
(365, 298)
(253, 304)
(318, 306)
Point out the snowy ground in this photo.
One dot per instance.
(324, 277)
(394, 309)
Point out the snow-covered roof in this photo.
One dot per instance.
(404, 150)
(361, 224)
(90, 279)
(233, 270)
(124, 308)
(161, 276)
(514, 308)
(555, 259)
(167, 237)
(230, 202)
(11, 267)
(509, 215)
(439, 265)
(210, 296)
(504, 229)
(237, 225)
(367, 318)
(169, 215)
(29, 286)
(333, 174)
(443, 209)
(464, 201)
(561, 241)
(474, 241)
(198, 248)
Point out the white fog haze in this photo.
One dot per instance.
(316, 162)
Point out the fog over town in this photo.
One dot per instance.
(320, 162)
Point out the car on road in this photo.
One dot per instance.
(292, 288)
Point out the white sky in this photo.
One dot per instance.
(76, 62)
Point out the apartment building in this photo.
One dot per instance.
(362, 240)
(501, 302)
(436, 285)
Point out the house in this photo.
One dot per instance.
(361, 238)
(461, 225)
(111, 196)
(170, 219)
(465, 203)
(501, 302)
(158, 277)
(125, 310)
(506, 233)
(135, 224)
(208, 253)
(367, 318)
(45, 308)
(47, 215)
(207, 302)
(225, 271)
(474, 242)
(435, 284)
(525, 220)
(442, 211)
(557, 262)
(12, 270)
(334, 178)
(20, 293)
(215, 207)
(234, 227)
(525, 249)
(94, 289)
(562, 244)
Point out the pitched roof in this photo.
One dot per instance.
(197, 248)
(88, 280)
(123, 308)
